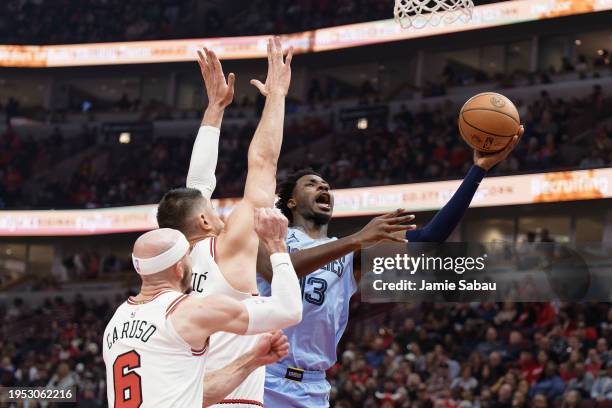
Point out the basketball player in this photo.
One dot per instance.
(224, 256)
(155, 345)
(329, 269)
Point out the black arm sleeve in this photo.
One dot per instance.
(445, 221)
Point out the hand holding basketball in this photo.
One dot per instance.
(488, 160)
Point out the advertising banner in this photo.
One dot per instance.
(493, 191)
(333, 38)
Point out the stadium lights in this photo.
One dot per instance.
(125, 137)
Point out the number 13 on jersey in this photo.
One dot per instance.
(315, 293)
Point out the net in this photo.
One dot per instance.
(420, 13)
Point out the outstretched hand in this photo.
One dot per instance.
(388, 227)
(488, 160)
(279, 70)
(220, 93)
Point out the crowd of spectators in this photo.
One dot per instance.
(457, 75)
(22, 157)
(88, 265)
(424, 145)
(411, 146)
(57, 344)
(485, 355)
(67, 21)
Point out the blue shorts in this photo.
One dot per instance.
(280, 392)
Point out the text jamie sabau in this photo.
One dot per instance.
(406, 264)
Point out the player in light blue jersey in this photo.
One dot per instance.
(329, 270)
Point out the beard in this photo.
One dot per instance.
(320, 218)
(186, 280)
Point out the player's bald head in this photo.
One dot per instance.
(155, 242)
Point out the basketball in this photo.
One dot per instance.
(488, 121)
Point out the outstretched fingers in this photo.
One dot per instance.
(510, 146)
(257, 84)
(289, 57)
(203, 62)
(278, 50)
(394, 213)
(270, 53)
(216, 64)
(401, 219)
(401, 227)
(398, 236)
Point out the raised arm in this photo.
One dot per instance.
(260, 187)
(270, 347)
(382, 228)
(237, 245)
(446, 220)
(201, 174)
(391, 226)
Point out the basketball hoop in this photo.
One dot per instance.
(420, 13)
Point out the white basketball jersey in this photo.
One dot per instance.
(147, 363)
(225, 347)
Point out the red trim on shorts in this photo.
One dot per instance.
(241, 401)
(174, 304)
(131, 301)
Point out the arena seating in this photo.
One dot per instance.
(35, 22)
(417, 355)
(423, 145)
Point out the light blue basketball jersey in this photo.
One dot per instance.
(326, 293)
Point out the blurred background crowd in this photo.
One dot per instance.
(37, 21)
(410, 146)
(479, 355)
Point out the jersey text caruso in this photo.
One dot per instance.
(135, 329)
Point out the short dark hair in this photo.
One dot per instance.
(175, 206)
(286, 187)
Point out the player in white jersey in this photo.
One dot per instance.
(155, 346)
(224, 256)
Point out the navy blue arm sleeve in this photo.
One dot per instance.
(445, 221)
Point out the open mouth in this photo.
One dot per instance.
(323, 201)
